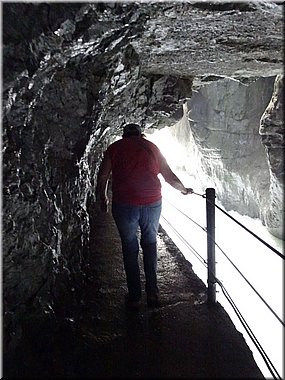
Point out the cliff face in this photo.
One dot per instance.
(272, 135)
(73, 74)
(226, 131)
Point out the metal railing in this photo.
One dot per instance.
(210, 264)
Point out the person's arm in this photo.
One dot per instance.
(171, 178)
(102, 182)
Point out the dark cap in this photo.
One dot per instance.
(132, 129)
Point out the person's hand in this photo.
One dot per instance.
(188, 190)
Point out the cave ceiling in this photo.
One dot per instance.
(235, 41)
(185, 39)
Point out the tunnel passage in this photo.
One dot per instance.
(101, 338)
(70, 81)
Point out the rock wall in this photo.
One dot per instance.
(58, 118)
(272, 137)
(49, 116)
(73, 74)
(221, 131)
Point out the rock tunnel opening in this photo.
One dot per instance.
(70, 83)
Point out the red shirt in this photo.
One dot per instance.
(135, 166)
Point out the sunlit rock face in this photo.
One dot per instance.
(272, 134)
(221, 130)
(205, 38)
(73, 74)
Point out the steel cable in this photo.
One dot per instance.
(252, 233)
(236, 268)
(187, 216)
(226, 294)
(252, 287)
(235, 308)
(249, 331)
(199, 257)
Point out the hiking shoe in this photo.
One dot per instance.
(152, 300)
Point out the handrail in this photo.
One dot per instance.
(187, 216)
(185, 242)
(203, 261)
(252, 287)
(240, 224)
(265, 357)
(252, 233)
(268, 362)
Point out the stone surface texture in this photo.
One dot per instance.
(220, 131)
(74, 73)
(272, 134)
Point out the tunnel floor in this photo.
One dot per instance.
(183, 337)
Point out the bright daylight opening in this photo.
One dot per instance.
(184, 220)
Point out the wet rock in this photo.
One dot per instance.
(222, 132)
(186, 40)
(272, 134)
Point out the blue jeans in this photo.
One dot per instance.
(128, 219)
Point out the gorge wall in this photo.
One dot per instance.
(74, 73)
(228, 148)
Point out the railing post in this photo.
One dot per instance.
(210, 213)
